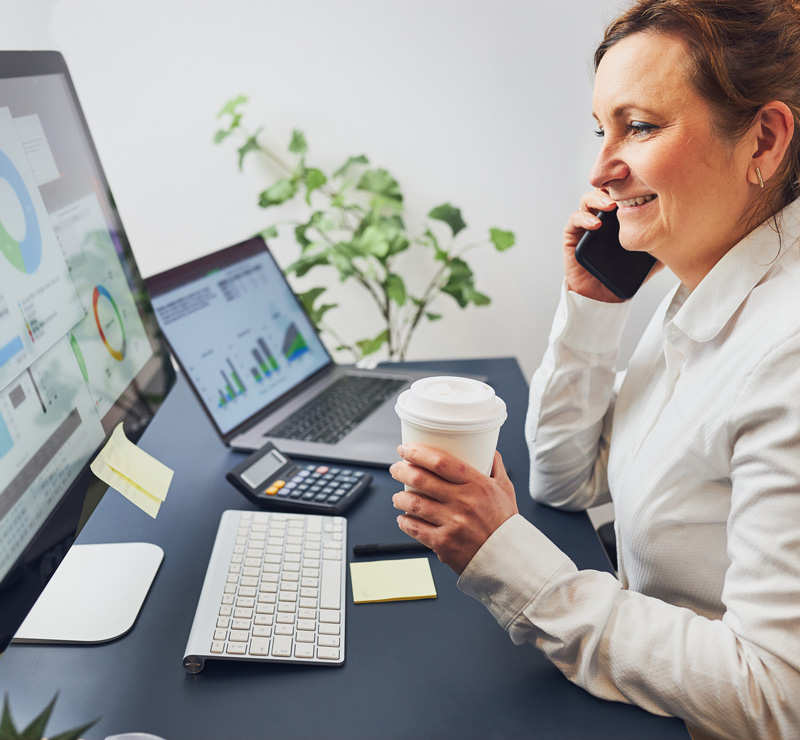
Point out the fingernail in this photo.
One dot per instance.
(401, 450)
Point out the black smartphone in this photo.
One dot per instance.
(600, 253)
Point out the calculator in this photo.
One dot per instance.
(272, 481)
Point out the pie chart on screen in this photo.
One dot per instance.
(23, 253)
(109, 323)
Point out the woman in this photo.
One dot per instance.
(698, 104)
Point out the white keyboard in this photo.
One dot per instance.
(274, 591)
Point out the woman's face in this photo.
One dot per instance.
(682, 191)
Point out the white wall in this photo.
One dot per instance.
(483, 103)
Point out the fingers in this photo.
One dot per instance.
(585, 218)
(597, 200)
(420, 506)
(443, 465)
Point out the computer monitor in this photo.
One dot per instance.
(79, 346)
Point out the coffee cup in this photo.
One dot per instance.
(458, 415)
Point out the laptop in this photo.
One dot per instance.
(259, 368)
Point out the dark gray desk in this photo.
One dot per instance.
(436, 668)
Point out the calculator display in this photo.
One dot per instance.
(265, 467)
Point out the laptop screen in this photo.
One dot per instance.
(237, 329)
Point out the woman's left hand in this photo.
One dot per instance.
(454, 508)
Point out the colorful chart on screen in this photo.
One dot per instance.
(39, 303)
(108, 321)
(110, 344)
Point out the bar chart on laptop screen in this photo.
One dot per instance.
(241, 337)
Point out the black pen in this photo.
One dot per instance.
(389, 547)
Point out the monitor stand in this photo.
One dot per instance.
(94, 595)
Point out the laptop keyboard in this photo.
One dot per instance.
(336, 411)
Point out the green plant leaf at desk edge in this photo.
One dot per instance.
(35, 730)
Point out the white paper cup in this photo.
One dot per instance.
(461, 416)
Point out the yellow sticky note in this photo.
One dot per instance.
(392, 580)
(139, 477)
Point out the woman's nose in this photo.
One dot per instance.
(607, 168)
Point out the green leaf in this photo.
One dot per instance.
(307, 261)
(351, 162)
(251, 145)
(502, 239)
(308, 298)
(300, 234)
(35, 730)
(479, 299)
(315, 313)
(450, 215)
(278, 193)
(76, 733)
(381, 183)
(322, 221)
(314, 179)
(221, 135)
(230, 107)
(459, 269)
(369, 346)
(269, 233)
(433, 316)
(395, 288)
(298, 143)
(7, 728)
(372, 241)
(456, 290)
(439, 254)
(398, 243)
(341, 257)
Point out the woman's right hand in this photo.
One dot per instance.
(583, 220)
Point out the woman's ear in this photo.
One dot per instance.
(772, 132)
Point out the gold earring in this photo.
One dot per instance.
(760, 179)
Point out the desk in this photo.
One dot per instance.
(438, 668)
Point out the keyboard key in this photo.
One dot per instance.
(281, 646)
(259, 646)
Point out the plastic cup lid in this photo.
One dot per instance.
(451, 403)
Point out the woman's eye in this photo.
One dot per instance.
(599, 132)
(640, 127)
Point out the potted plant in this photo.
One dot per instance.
(354, 223)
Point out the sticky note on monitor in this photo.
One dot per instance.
(138, 476)
(392, 580)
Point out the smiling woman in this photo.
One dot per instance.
(698, 104)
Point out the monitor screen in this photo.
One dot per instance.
(79, 348)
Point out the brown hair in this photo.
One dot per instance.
(743, 54)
